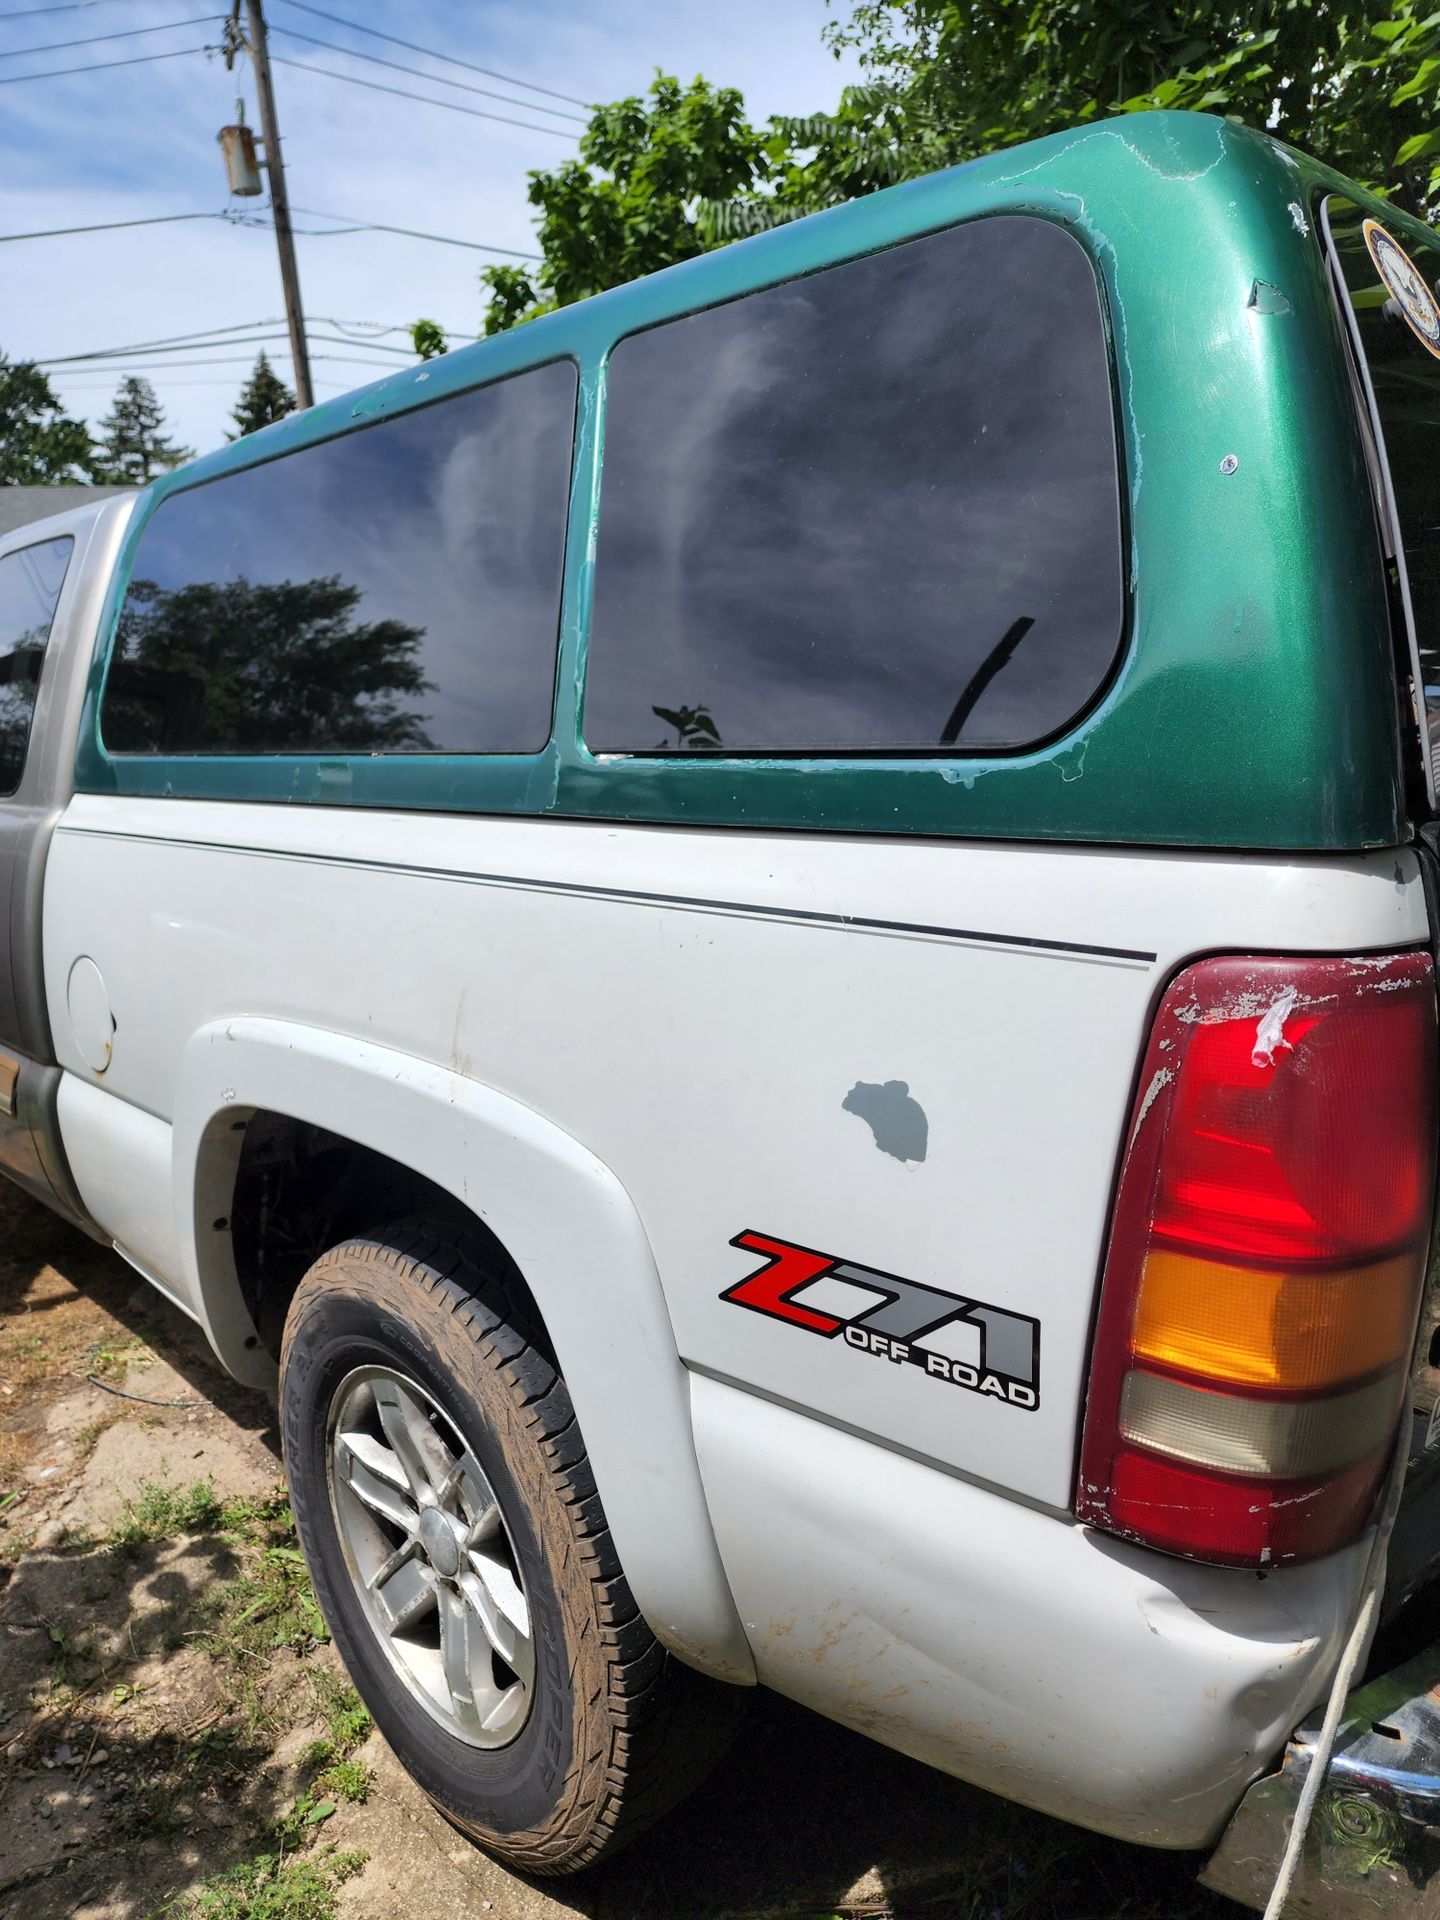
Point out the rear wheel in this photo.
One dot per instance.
(460, 1555)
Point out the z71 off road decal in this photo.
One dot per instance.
(982, 1348)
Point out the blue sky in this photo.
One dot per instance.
(139, 140)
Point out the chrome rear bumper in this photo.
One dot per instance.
(1374, 1843)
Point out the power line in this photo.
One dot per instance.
(118, 362)
(233, 217)
(109, 226)
(144, 369)
(100, 66)
(411, 233)
(418, 73)
(209, 335)
(452, 59)
(103, 354)
(94, 39)
(67, 6)
(402, 93)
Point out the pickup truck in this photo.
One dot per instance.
(737, 1179)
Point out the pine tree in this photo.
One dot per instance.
(264, 399)
(133, 447)
(39, 444)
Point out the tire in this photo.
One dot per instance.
(581, 1729)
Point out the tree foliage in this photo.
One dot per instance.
(264, 399)
(40, 446)
(1355, 82)
(631, 202)
(133, 447)
(428, 339)
(660, 179)
(262, 667)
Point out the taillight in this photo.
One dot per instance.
(1263, 1280)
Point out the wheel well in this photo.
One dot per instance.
(300, 1189)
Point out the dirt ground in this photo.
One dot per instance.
(177, 1737)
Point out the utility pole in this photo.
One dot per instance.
(279, 198)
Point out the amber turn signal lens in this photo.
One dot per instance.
(1289, 1331)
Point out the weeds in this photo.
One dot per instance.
(271, 1887)
(269, 1606)
(346, 1724)
(158, 1511)
(86, 1436)
(28, 1361)
(14, 1546)
(350, 1779)
(112, 1363)
(347, 1720)
(72, 1662)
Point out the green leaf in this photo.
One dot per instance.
(321, 1811)
(1425, 79)
(1418, 147)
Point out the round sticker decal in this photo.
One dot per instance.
(1405, 284)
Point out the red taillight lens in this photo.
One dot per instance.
(1265, 1266)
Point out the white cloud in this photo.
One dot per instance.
(140, 140)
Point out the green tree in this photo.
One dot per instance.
(428, 339)
(40, 446)
(262, 667)
(264, 399)
(631, 202)
(133, 447)
(1355, 82)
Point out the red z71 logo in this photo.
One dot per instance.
(985, 1349)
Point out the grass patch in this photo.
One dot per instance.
(72, 1662)
(158, 1511)
(28, 1360)
(86, 1436)
(272, 1604)
(346, 1780)
(112, 1363)
(14, 1545)
(347, 1722)
(271, 1887)
(269, 1606)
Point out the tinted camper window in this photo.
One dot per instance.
(872, 509)
(30, 583)
(393, 590)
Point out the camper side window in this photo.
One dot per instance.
(395, 589)
(874, 509)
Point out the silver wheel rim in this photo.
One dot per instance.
(432, 1561)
